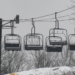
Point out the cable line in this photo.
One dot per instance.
(48, 20)
(57, 17)
(66, 9)
(25, 20)
(54, 13)
(44, 16)
(54, 21)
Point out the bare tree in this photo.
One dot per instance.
(40, 59)
(13, 61)
(50, 59)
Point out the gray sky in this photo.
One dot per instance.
(34, 8)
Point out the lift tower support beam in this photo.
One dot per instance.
(0, 41)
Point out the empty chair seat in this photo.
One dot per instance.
(12, 42)
(51, 44)
(33, 42)
(61, 33)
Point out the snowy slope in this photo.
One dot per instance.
(63, 70)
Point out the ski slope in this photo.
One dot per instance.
(63, 70)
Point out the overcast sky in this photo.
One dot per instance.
(27, 9)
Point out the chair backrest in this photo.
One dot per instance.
(33, 40)
(60, 35)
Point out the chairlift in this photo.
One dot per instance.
(58, 32)
(33, 41)
(12, 42)
(61, 33)
(56, 39)
(72, 41)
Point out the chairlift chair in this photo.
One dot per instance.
(61, 33)
(33, 41)
(52, 47)
(12, 42)
(57, 38)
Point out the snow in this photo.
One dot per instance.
(63, 70)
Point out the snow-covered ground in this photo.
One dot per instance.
(63, 70)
